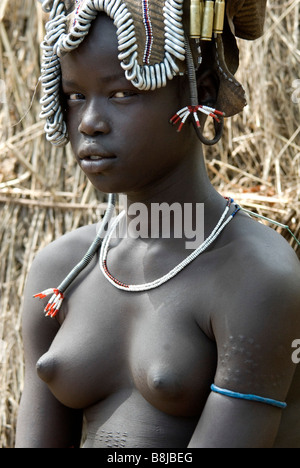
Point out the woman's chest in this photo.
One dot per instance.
(113, 341)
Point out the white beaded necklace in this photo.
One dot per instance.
(222, 223)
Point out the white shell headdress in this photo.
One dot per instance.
(139, 48)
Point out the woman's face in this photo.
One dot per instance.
(121, 137)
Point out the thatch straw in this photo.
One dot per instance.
(43, 194)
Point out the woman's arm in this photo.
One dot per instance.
(254, 334)
(43, 422)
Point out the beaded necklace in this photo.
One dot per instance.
(222, 223)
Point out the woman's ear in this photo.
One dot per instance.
(208, 87)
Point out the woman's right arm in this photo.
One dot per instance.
(43, 422)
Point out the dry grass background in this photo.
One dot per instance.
(43, 194)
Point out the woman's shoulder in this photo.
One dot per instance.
(49, 268)
(55, 261)
(262, 262)
(259, 243)
(66, 250)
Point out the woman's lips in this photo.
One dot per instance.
(95, 163)
(95, 158)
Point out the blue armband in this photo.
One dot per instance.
(245, 396)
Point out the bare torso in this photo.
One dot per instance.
(141, 364)
(140, 357)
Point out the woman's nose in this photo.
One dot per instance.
(93, 121)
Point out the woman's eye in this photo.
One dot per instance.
(75, 97)
(123, 94)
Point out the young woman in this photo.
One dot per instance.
(157, 346)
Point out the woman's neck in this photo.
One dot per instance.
(175, 199)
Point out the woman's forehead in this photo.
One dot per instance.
(100, 40)
(97, 54)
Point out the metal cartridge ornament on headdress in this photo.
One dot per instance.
(206, 18)
(157, 40)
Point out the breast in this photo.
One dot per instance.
(173, 371)
(87, 359)
(79, 383)
(176, 392)
(85, 363)
(46, 367)
(162, 380)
